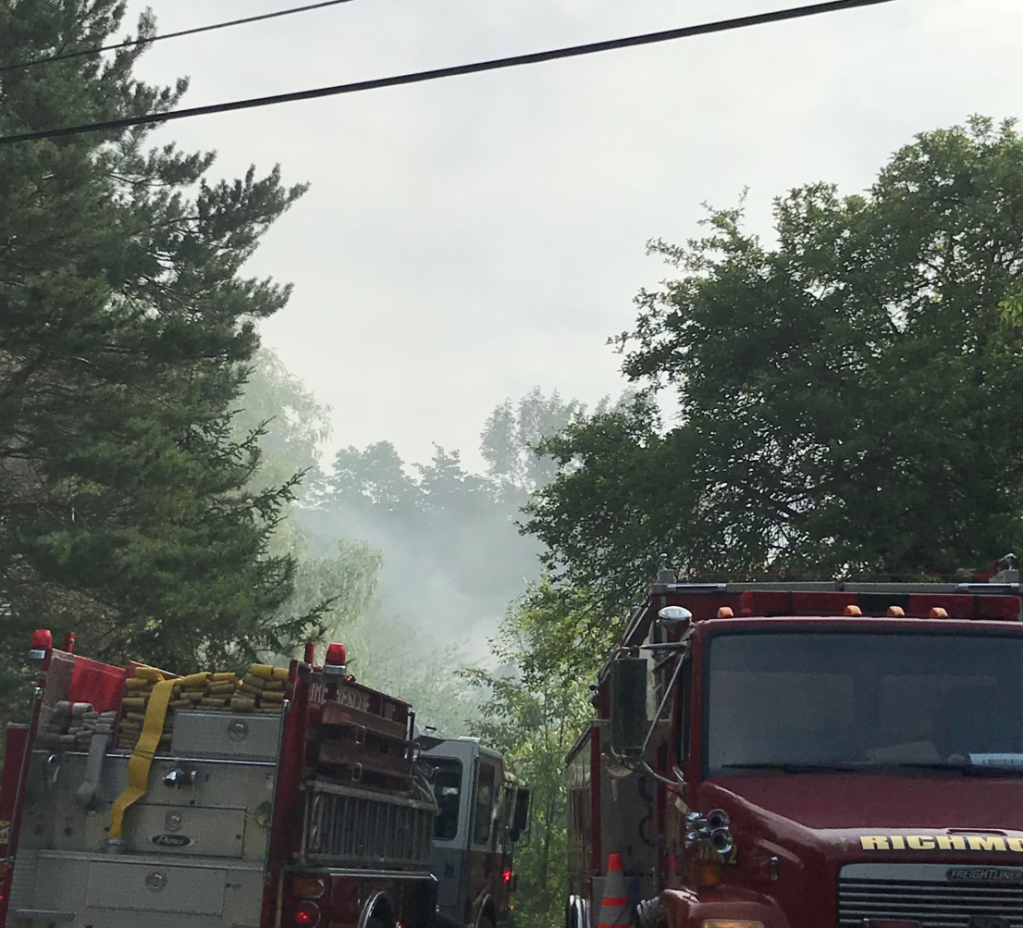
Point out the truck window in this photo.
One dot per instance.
(447, 787)
(863, 701)
(484, 804)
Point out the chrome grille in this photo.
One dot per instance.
(924, 894)
(356, 828)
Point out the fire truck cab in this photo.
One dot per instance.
(806, 755)
(482, 814)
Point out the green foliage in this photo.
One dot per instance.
(453, 557)
(336, 583)
(847, 396)
(400, 657)
(514, 430)
(432, 519)
(338, 587)
(549, 647)
(126, 331)
(293, 423)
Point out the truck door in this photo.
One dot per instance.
(450, 835)
(483, 857)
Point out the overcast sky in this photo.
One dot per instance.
(468, 239)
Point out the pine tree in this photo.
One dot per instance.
(126, 330)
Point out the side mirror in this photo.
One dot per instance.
(521, 817)
(628, 706)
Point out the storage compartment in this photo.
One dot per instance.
(147, 888)
(139, 892)
(221, 806)
(225, 734)
(209, 782)
(184, 830)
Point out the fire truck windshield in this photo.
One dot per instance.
(855, 702)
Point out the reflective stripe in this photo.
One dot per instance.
(142, 757)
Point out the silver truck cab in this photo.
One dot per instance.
(482, 814)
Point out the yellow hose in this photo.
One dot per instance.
(142, 757)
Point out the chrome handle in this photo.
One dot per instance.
(179, 777)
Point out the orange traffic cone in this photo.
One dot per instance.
(614, 907)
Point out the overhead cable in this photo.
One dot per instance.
(64, 56)
(419, 77)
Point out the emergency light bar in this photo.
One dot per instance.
(983, 602)
(794, 602)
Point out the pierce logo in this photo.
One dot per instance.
(984, 875)
(172, 841)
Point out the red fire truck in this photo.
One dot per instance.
(138, 799)
(483, 814)
(814, 755)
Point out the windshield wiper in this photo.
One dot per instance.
(968, 770)
(795, 768)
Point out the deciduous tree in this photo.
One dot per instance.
(548, 650)
(848, 393)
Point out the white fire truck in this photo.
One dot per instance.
(483, 814)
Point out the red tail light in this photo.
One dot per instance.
(507, 875)
(307, 915)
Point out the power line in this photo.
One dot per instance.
(169, 35)
(419, 77)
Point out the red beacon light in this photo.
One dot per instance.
(336, 659)
(42, 644)
(307, 915)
